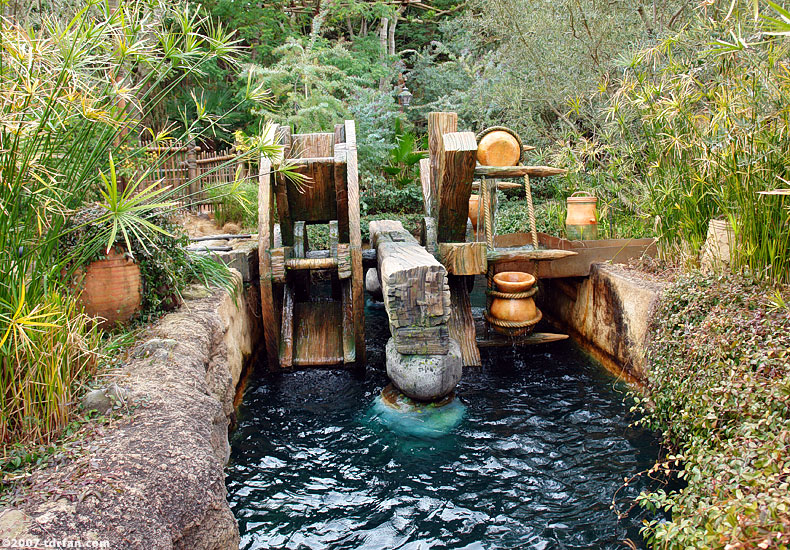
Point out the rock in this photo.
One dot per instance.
(153, 478)
(425, 377)
(104, 400)
(373, 285)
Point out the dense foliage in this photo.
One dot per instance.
(719, 389)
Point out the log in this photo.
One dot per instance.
(287, 328)
(518, 171)
(414, 287)
(455, 185)
(429, 235)
(463, 258)
(425, 182)
(462, 324)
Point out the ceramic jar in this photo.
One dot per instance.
(513, 309)
(581, 222)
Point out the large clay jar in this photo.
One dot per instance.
(474, 205)
(111, 288)
(516, 310)
(498, 148)
(581, 222)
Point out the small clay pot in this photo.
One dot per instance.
(111, 288)
(513, 309)
(474, 202)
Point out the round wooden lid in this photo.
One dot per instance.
(498, 148)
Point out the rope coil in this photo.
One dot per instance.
(514, 324)
(513, 295)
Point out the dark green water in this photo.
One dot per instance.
(544, 445)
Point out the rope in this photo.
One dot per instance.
(514, 324)
(533, 226)
(513, 295)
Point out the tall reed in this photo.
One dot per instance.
(75, 90)
(707, 108)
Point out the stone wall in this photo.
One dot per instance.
(153, 478)
(608, 313)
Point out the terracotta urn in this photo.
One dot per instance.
(111, 288)
(581, 222)
(513, 309)
(474, 203)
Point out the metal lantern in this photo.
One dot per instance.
(404, 98)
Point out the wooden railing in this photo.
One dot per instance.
(192, 172)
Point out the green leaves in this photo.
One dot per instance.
(127, 211)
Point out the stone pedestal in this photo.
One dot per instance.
(424, 377)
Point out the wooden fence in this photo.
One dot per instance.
(192, 172)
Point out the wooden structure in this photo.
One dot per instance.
(447, 181)
(302, 329)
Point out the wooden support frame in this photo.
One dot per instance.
(355, 239)
(456, 172)
(269, 316)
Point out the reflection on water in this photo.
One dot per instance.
(543, 445)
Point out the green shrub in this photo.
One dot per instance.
(380, 197)
(236, 203)
(719, 389)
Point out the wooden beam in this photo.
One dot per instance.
(414, 287)
(269, 318)
(341, 191)
(455, 175)
(287, 332)
(463, 258)
(438, 125)
(355, 239)
(521, 254)
(462, 324)
(518, 171)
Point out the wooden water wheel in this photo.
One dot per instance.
(304, 327)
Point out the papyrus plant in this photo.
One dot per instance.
(74, 90)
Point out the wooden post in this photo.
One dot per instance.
(438, 125)
(192, 173)
(269, 318)
(355, 237)
(455, 175)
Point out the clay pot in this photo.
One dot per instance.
(513, 309)
(111, 288)
(581, 222)
(474, 202)
(498, 148)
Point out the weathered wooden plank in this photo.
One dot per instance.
(341, 192)
(463, 258)
(278, 257)
(462, 324)
(309, 264)
(318, 334)
(284, 210)
(355, 239)
(312, 145)
(333, 236)
(349, 344)
(315, 199)
(522, 254)
(271, 322)
(518, 171)
(455, 185)
(413, 283)
(299, 239)
(438, 124)
(287, 328)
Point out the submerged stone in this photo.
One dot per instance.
(405, 416)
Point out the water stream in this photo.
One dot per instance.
(544, 445)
